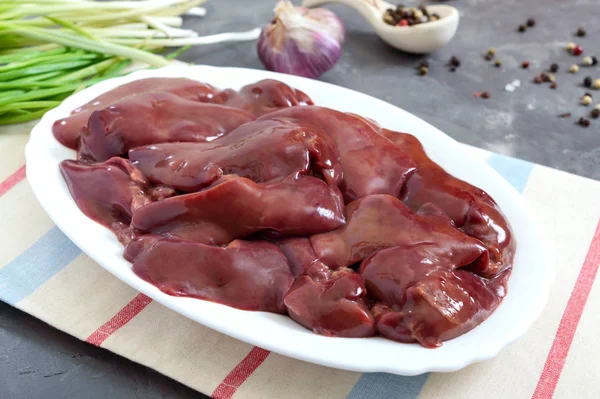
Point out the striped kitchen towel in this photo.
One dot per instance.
(46, 275)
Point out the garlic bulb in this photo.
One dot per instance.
(301, 41)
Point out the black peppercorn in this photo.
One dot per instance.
(531, 22)
(522, 28)
(498, 63)
(583, 122)
(553, 86)
(580, 32)
(587, 81)
(554, 67)
(485, 95)
(454, 62)
(594, 60)
(525, 64)
(595, 113)
(488, 57)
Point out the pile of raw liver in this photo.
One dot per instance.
(260, 200)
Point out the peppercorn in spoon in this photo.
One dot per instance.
(421, 30)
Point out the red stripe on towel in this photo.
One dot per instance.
(568, 324)
(240, 373)
(124, 316)
(12, 180)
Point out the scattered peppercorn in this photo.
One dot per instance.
(423, 70)
(542, 77)
(595, 113)
(531, 22)
(498, 63)
(571, 46)
(580, 32)
(554, 68)
(454, 62)
(574, 68)
(452, 69)
(596, 84)
(587, 81)
(522, 28)
(586, 100)
(583, 122)
(594, 60)
(525, 64)
(485, 95)
(491, 51)
(577, 50)
(597, 107)
(553, 85)
(488, 57)
(565, 115)
(587, 61)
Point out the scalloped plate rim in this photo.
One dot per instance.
(279, 333)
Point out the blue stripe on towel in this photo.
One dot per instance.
(36, 265)
(516, 171)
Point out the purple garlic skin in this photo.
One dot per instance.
(300, 41)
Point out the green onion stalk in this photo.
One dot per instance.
(50, 49)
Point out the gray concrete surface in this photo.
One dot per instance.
(523, 123)
(37, 361)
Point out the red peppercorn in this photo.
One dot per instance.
(525, 64)
(577, 50)
(403, 22)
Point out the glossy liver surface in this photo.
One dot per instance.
(260, 200)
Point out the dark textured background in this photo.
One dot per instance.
(37, 361)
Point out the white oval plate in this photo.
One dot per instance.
(527, 291)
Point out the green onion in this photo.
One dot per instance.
(21, 117)
(54, 48)
(28, 105)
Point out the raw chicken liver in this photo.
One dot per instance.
(246, 275)
(67, 130)
(237, 207)
(155, 117)
(370, 163)
(262, 151)
(377, 222)
(471, 208)
(348, 228)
